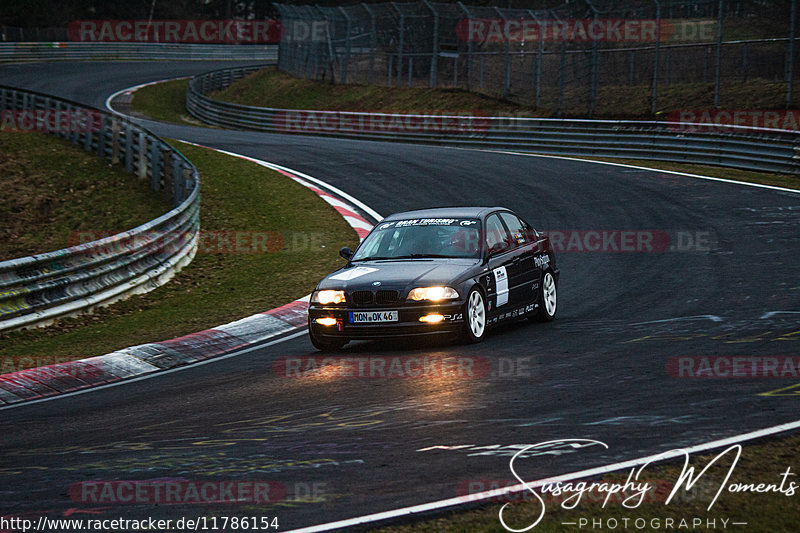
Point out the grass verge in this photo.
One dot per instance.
(165, 101)
(765, 511)
(272, 88)
(53, 189)
(226, 280)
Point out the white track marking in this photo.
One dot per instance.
(677, 173)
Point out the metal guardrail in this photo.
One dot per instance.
(76, 51)
(37, 289)
(766, 150)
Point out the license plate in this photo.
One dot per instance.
(367, 317)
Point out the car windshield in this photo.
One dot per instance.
(419, 238)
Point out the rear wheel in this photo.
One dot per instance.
(474, 317)
(548, 298)
(326, 345)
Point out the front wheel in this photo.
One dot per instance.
(474, 317)
(326, 345)
(547, 298)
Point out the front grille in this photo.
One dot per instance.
(387, 297)
(362, 297)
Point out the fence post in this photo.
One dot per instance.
(717, 71)
(562, 78)
(790, 56)
(347, 44)
(469, 49)
(538, 60)
(373, 43)
(632, 73)
(654, 95)
(506, 59)
(400, 44)
(435, 51)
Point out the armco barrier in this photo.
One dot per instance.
(76, 51)
(37, 289)
(759, 149)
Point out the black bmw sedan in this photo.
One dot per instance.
(455, 271)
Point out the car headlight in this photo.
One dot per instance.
(327, 296)
(433, 294)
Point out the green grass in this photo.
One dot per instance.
(271, 88)
(53, 189)
(164, 101)
(216, 287)
(759, 463)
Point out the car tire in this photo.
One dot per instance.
(548, 298)
(326, 345)
(475, 316)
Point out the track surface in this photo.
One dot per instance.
(597, 372)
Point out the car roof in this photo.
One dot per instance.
(446, 212)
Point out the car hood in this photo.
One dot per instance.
(401, 274)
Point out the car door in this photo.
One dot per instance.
(504, 267)
(528, 274)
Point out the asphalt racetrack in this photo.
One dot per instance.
(339, 447)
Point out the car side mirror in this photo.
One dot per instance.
(346, 253)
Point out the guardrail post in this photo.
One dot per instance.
(155, 167)
(177, 179)
(128, 148)
(87, 140)
(101, 138)
(115, 141)
(188, 179)
(166, 170)
(142, 162)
